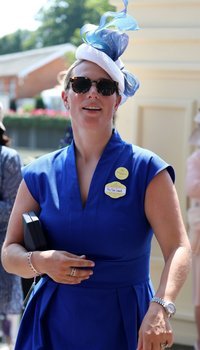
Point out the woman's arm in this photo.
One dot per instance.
(163, 212)
(57, 264)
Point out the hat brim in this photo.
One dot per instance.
(89, 53)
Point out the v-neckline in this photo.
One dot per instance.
(112, 147)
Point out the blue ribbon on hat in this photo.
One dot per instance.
(113, 42)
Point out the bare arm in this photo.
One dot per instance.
(57, 264)
(163, 212)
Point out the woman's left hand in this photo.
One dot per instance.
(155, 332)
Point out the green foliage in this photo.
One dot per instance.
(31, 41)
(13, 105)
(60, 22)
(39, 103)
(40, 121)
(70, 57)
(13, 42)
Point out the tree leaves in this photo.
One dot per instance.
(60, 22)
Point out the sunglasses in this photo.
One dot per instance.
(105, 87)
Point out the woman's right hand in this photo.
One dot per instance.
(62, 266)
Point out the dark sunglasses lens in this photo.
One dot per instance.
(81, 84)
(106, 87)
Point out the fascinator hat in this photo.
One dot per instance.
(104, 46)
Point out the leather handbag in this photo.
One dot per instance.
(34, 235)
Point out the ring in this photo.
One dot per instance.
(73, 272)
(164, 345)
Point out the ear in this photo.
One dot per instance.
(118, 100)
(64, 96)
(65, 99)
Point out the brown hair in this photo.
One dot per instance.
(64, 76)
(4, 139)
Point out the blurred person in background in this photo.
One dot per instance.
(193, 192)
(11, 296)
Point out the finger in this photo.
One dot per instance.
(80, 273)
(147, 345)
(80, 262)
(139, 346)
(70, 281)
(74, 279)
(170, 341)
(71, 255)
(66, 279)
(144, 344)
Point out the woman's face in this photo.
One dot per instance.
(90, 109)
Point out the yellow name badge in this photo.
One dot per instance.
(115, 189)
(121, 173)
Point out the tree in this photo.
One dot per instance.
(60, 22)
(13, 42)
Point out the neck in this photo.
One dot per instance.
(90, 144)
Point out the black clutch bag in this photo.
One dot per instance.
(34, 236)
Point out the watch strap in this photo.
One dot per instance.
(164, 304)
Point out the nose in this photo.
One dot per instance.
(93, 89)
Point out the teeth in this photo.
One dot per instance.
(92, 107)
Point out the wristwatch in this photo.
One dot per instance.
(168, 306)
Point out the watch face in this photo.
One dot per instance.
(171, 308)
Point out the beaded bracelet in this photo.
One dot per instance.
(29, 255)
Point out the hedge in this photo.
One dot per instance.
(37, 121)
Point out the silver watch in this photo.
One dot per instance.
(169, 307)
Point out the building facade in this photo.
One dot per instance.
(165, 55)
(26, 74)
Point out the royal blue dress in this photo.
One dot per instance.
(104, 312)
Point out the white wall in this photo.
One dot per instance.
(165, 56)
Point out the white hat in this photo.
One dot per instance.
(89, 53)
(1, 117)
(104, 47)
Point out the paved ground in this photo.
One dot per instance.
(4, 347)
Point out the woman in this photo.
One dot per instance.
(99, 200)
(10, 285)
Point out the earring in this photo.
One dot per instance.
(66, 106)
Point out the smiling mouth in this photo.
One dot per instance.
(92, 108)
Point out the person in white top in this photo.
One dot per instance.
(193, 192)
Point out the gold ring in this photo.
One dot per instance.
(164, 345)
(73, 272)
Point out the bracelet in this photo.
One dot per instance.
(29, 255)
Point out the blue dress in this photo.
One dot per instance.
(106, 311)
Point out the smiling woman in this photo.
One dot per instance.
(92, 98)
(100, 200)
